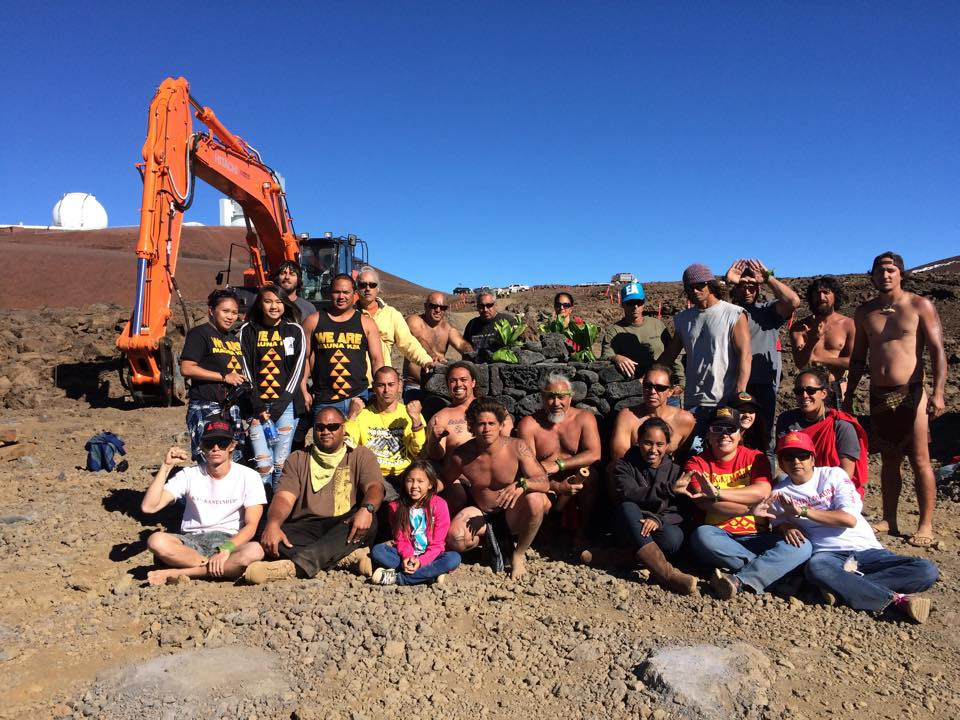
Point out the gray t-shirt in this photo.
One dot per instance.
(306, 308)
(765, 323)
(707, 337)
(848, 444)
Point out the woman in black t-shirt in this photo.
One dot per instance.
(274, 353)
(211, 360)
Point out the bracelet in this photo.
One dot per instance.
(417, 428)
(560, 464)
(767, 274)
(522, 483)
(223, 377)
(804, 511)
(228, 546)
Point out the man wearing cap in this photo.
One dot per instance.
(324, 507)
(725, 483)
(480, 331)
(892, 331)
(764, 320)
(634, 342)
(821, 506)
(716, 337)
(224, 503)
(289, 277)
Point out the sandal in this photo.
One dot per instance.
(921, 541)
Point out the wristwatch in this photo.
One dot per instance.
(369, 508)
(522, 483)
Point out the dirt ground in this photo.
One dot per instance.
(75, 611)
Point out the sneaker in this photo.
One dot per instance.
(264, 571)
(441, 579)
(724, 585)
(828, 597)
(917, 608)
(384, 576)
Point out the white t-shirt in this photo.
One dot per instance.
(214, 505)
(828, 489)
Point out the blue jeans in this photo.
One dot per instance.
(270, 460)
(628, 521)
(198, 412)
(884, 573)
(386, 555)
(702, 414)
(342, 405)
(757, 560)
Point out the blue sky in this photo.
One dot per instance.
(495, 142)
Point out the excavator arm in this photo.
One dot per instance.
(173, 157)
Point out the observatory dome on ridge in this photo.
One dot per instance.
(79, 211)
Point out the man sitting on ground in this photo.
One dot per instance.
(224, 504)
(566, 441)
(448, 428)
(507, 485)
(480, 332)
(392, 430)
(324, 507)
(436, 334)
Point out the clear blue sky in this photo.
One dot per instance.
(497, 142)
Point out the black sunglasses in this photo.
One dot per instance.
(802, 456)
(365, 285)
(697, 286)
(655, 386)
(329, 427)
(562, 305)
(434, 306)
(807, 390)
(485, 306)
(218, 443)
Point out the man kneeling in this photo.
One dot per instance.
(214, 541)
(324, 507)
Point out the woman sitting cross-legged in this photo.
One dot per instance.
(647, 519)
(821, 504)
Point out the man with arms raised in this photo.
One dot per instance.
(825, 338)
(656, 391)
(435, 333)
(892, 331)
(566, 441)
(448, 428)
(324, 507)
(506, 483)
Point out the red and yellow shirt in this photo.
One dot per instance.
(742, 470)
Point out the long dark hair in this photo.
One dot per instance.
(401, 519)
(757, 436)
(290, 311)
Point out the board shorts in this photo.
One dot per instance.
(205, 543)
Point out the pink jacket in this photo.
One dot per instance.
(436, 536)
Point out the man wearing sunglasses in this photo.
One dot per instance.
(566, 442)
(634, 342)
(390, 323)
(716, 338)
(480, 332)
(657, 390)
(224, 504)
(765, 320)
(323, 509)
(435, 334)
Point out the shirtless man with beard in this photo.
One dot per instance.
(566, 442)
(504, 477)
(892, 332)
(825, 338)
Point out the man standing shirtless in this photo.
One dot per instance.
(826, 337)
(892, 331)
(448, 428)
(656, 391)
(435, 333)
(565, 440)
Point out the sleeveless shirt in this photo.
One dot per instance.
(339, 358)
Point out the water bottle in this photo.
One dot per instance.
(270, 431)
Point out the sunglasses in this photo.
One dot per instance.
(434, 306)
(329, 427)
(801, 456)
(485, 306)
(563, 305)
(550, 394)
(218, 443)
(807, 390)
(655, 386)
(697, 286)
(724, 430)
(365, 285)
(748, 285)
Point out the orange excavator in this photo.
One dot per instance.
(174, 156)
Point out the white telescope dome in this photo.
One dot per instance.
(79, 211)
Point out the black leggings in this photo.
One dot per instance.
(319, 543)
(630, 519)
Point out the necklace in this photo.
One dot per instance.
(888, 309)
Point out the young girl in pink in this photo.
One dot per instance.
(420, 520)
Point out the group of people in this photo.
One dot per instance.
(400, 493)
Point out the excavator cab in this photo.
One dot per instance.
(323, 258)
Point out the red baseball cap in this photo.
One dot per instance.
(795, 441)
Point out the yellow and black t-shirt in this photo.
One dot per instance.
(273, 361)
(211, 350)
(339, 358)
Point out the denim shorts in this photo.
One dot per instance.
(205, 543)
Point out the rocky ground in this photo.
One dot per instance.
(81, 636)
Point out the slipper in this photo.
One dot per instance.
(921, 541)
(883, 528)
